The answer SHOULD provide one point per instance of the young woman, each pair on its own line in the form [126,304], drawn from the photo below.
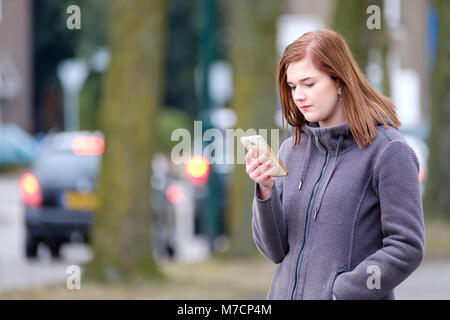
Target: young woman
[347,221]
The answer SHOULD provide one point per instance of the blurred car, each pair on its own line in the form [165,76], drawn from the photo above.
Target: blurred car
[59,191]
[421,150]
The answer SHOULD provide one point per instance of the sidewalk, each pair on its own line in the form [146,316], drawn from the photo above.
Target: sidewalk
[431,281]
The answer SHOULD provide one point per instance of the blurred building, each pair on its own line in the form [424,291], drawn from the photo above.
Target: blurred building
[16,63]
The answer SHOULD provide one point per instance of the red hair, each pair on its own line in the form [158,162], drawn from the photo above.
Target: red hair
[362,103]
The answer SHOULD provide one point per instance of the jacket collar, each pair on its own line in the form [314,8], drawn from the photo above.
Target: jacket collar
[329,137]
[334,139]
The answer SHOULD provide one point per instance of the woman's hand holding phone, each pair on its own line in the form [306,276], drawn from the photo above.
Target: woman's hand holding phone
[259,170]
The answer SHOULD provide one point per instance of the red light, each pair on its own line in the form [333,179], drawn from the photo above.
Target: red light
[174,194]
[197,170]
[30,190]
[421,174]
[88,146]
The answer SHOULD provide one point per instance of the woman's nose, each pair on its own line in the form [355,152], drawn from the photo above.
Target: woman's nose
[298,95]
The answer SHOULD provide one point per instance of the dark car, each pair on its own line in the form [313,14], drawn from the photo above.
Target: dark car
[59,192]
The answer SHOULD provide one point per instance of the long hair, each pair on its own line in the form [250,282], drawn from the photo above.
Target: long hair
[362,104]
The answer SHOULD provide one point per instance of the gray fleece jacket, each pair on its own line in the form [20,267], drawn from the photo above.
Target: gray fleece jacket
[344,221]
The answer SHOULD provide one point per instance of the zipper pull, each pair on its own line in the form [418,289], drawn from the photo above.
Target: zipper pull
[300,185]
[315,213]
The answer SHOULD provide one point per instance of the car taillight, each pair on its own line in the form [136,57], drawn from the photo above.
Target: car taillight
[174,194]
[421,174]
[197,170]
[88,146]
[30,190]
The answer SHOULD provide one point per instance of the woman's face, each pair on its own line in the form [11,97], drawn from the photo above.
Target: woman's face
[315,93]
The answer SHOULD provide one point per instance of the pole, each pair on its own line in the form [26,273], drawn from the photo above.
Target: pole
[207,49]
[209,205]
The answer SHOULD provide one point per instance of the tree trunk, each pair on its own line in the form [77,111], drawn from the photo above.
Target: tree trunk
[121,239]
[350,20]
[252,31]
[437,200]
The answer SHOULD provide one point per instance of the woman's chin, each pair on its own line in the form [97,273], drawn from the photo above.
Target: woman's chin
[310,118]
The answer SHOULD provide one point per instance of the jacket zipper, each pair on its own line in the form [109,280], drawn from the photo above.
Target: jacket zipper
[305,231]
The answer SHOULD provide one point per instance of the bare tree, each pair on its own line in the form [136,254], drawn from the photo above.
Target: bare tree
[252,31]
[350,20]
[437,191]
[121,238]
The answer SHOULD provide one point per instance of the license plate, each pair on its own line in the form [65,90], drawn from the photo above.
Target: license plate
[79,201]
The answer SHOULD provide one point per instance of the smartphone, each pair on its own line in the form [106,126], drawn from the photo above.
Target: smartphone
[260,146]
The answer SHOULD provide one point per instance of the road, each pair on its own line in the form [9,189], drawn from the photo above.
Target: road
[430,281]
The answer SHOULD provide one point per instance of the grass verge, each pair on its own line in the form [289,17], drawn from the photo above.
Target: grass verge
[212,279]
[437,239]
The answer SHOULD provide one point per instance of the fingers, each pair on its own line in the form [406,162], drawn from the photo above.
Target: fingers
[252,156]
[258,169]
[267,172]
[261,171]
[252,163]
[249,157]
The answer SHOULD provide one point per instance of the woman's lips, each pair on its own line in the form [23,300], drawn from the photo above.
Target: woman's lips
[305,107]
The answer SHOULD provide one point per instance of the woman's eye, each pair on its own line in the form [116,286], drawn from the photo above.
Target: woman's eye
[292,88]
[309,85]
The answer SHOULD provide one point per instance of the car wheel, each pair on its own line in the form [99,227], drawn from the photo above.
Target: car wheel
[31,247]
[55,249]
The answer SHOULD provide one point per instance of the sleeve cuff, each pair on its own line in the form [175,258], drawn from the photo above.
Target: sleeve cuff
[256,193]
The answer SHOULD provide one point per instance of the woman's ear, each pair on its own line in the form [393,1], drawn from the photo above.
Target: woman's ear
[338,85]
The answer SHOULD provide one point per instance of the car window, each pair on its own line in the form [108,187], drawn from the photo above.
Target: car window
[64,168]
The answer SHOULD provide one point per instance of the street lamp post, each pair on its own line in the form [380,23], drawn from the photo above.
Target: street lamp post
[72,73]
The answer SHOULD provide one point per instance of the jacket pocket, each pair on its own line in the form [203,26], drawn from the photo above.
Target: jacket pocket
[339,271]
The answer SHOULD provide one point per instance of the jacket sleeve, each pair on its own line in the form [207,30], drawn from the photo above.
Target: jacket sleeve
[396,179]
[268,222]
